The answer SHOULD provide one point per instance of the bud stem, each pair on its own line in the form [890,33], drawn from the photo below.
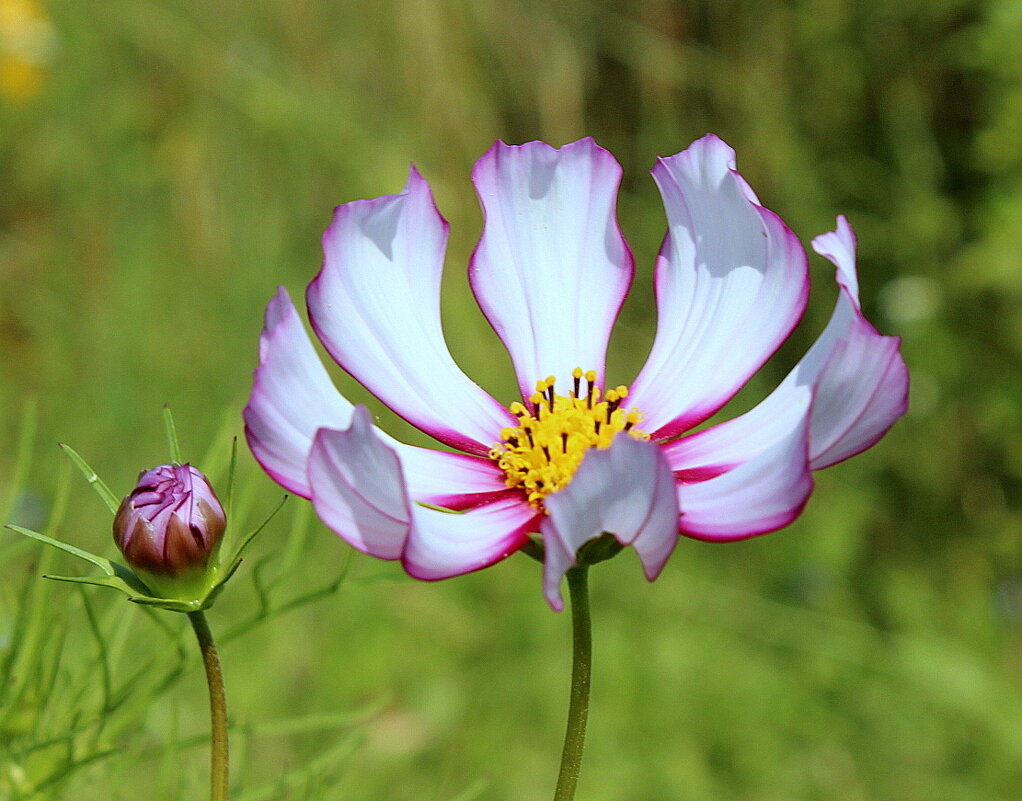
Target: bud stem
[581,670]
[217,707]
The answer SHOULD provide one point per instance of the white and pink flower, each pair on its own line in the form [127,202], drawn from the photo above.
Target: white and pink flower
[575,459]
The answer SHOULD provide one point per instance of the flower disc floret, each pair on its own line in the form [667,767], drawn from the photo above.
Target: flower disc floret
[541,454]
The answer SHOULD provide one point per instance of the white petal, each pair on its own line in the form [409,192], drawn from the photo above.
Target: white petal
[443,545]
[452,480]
[857,377]
[860,377]
[732,282]
[764,493]
[860,393]
[626,490]
[552,269]
[376,307]
[358,490]
[840,247]
[293,397]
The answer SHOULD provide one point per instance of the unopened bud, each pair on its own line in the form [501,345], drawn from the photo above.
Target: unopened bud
[170,526]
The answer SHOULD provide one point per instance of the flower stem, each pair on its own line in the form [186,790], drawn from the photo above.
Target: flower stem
[217,707]
[581,671]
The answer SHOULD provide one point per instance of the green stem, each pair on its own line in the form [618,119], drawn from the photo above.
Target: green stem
[581,671]
[217,707]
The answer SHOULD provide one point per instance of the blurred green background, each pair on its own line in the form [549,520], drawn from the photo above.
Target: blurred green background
[165,164]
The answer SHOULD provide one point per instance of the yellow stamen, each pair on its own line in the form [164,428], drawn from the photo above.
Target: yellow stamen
[542,453]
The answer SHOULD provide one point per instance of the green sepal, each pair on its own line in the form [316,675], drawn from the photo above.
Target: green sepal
[172,605]
[131,578]
[534,547]
[146,600]
[596,550]
[600,549]
[98,581]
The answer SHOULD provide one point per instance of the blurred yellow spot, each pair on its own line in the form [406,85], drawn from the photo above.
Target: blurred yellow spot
[26,45]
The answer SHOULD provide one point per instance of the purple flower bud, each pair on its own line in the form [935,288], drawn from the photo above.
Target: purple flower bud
[171,523]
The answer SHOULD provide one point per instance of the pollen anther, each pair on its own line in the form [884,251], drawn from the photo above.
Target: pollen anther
[542,453]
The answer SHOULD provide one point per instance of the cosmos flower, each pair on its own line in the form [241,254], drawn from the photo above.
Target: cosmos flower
[575,458]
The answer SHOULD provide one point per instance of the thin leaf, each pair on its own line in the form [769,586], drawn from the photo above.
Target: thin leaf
[93,478]
[215,458]
[166,603]
[96,581]
[296,542]
[138,685]
[119,624]
[331,759]
[73,766]
[327,589]
[231,470]
[103,564]
[23,457]
[260,527]
[219,585]
[317,721]
[171,429]
[26,645]
[75,730]
[35,619]
[304,724]
[106,682]
[267,609]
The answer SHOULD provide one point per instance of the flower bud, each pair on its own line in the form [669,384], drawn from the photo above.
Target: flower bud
[170,527]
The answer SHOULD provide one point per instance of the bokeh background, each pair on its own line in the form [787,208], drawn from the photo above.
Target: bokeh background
[165,164]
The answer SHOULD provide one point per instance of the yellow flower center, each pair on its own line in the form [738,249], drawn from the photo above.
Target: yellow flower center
[541,454]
